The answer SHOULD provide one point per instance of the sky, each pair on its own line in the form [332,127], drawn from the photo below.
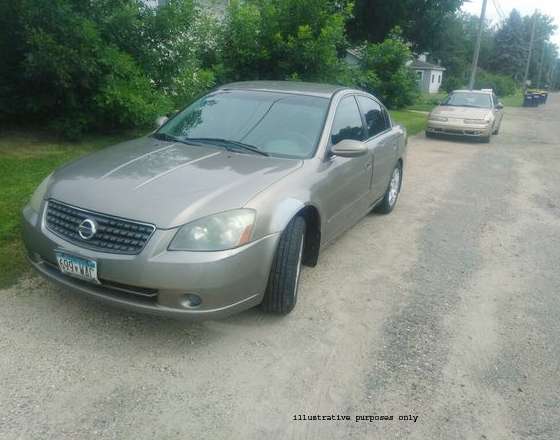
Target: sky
[525,7]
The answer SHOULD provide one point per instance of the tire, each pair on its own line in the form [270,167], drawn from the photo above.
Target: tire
[391,194]
[281,292]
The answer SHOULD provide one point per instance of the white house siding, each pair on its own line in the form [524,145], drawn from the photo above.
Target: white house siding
[430,76]
[431,80]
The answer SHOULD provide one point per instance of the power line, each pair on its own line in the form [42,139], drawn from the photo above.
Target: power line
[499,10]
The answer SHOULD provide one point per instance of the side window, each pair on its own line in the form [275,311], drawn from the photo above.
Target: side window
[376,118]
[347,122]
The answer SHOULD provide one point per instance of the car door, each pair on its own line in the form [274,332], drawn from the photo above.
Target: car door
[349,178]
[382,141]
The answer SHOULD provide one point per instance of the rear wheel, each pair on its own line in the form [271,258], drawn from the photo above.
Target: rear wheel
[392,193]
[281,292]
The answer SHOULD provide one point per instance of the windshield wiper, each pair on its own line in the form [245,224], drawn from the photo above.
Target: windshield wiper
[228,144]
[463,105]
[167,137]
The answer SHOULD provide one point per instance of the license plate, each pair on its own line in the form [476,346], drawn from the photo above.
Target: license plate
[77,267]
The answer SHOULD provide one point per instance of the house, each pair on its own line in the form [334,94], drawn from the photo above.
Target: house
[216,8]
[429,75]
[353,57]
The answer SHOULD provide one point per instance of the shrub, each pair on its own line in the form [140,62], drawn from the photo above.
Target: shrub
[502,85]
[451,83]
[384,73]
[90,66]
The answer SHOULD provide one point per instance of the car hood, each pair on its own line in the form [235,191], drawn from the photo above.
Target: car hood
[460,112]
[164,183]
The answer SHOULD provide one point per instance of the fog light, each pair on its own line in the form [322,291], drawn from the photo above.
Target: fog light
[191,300]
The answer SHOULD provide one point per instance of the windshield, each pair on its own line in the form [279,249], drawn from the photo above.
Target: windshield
[465,99]
[275,123]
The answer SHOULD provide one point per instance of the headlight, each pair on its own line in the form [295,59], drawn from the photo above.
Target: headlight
[39,194]
[218,232]
[437,118]
[475,121]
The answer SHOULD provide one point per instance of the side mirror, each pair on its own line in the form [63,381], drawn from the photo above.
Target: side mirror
[499,106]
[349,148]
[161,120]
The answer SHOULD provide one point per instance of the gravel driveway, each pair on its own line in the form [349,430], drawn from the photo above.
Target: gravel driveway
[438,321]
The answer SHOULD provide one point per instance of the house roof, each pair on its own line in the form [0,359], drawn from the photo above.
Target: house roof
[357,52]
[413,64]
[422,65]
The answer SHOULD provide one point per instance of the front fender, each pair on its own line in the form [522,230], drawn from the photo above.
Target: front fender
[285,212]
[273,217]
[296,194]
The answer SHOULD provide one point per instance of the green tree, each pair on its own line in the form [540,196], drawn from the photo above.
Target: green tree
[548,65]
[544,54]
[554,75]
[518,38]
[509,53]
[455,45]
[421,21]
[280,39]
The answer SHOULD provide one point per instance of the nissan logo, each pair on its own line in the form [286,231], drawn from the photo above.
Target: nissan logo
[87,229]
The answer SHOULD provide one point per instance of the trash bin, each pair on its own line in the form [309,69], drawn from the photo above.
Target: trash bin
[527,99]
[531,98]
[543,97]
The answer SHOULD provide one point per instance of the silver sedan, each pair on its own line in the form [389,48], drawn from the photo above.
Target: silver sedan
[216,211]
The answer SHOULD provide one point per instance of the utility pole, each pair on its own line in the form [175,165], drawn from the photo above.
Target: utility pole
[477,46]
[530,50]
[541,64]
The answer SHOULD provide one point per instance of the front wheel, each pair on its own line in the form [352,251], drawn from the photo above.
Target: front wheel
[281,292]
[392,193]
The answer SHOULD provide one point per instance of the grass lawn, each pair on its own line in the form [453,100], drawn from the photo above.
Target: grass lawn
[26,158]
[414,121]
[515,100]
[428,101]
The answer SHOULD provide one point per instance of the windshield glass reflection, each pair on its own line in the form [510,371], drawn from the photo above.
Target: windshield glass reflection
[275,123]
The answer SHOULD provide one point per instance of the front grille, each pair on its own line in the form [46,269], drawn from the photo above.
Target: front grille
[114,234]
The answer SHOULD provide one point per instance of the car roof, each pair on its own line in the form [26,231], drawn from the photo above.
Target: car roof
[292,87]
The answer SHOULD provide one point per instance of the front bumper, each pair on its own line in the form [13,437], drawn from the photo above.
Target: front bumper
[459,129]
[158,281]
